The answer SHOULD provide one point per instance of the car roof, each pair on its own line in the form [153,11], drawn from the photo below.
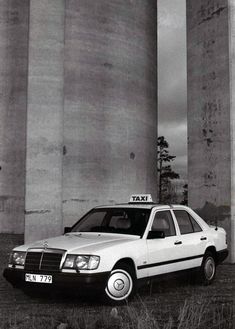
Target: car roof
[143,206]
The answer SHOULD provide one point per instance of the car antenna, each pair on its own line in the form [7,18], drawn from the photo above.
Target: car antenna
[216,223]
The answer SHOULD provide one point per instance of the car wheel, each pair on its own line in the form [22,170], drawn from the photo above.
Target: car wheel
[120,284]
[208,269]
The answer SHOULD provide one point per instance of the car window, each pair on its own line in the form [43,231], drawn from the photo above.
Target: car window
[163,221]
[120,221]
[93,220]
[196,226]
[187,224]
[114,220]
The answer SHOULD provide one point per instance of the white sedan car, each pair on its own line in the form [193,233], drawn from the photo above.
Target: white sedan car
[112,248]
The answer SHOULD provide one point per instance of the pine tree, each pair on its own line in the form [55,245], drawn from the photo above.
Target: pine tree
[165,172]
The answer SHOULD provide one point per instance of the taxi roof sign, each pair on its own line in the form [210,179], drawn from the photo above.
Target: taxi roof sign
[141,198]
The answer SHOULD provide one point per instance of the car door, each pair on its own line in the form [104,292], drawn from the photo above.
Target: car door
[192,239]
[163,253]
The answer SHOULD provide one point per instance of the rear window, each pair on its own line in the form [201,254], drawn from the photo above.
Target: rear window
[186,222]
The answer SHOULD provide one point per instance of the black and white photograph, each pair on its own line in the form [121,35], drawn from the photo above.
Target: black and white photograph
[117,164]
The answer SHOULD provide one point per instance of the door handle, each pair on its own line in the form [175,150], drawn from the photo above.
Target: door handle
[203,238]
[178,242]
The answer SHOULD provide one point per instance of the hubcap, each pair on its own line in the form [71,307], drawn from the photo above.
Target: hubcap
[209,268]
[119,285]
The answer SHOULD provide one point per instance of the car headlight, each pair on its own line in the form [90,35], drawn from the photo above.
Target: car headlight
[17,258]
[82,262]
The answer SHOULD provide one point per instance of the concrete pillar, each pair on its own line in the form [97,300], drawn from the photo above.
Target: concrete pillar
[45,120]
[14,16]
[232,118]
[211,111]
[110,108]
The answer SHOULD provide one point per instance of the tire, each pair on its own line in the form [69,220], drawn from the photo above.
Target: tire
[120,284]
[208,269]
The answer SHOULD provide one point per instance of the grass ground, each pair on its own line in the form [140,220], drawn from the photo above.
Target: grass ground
[163,305]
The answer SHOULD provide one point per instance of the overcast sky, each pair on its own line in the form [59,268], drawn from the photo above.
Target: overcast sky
[172,101]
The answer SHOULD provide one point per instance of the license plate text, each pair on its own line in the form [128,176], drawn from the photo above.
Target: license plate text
[38,278]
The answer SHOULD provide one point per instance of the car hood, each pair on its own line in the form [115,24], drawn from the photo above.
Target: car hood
[80,242]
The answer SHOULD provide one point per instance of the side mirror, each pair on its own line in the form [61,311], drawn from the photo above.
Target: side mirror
[67,229]
[156,235]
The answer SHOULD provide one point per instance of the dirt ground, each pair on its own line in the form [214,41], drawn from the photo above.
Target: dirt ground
[167,297]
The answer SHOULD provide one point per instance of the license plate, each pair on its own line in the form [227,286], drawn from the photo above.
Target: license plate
[38,278]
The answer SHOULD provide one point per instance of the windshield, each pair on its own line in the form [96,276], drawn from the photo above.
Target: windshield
[114,220]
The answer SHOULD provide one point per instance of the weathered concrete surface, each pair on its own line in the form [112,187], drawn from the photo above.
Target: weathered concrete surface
[110,117]
[86,73]
[14,15]
[211,165]
[232,118]
[45,120]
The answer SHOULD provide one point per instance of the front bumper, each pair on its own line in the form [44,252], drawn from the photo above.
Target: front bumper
[96,281]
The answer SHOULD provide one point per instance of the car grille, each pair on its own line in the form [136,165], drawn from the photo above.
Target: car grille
[44,261]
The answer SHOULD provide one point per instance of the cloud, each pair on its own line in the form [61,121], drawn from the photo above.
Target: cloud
[172,92]
[177,137]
